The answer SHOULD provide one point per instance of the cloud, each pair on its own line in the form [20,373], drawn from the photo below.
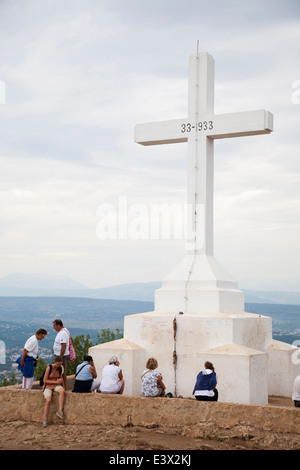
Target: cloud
[79,76]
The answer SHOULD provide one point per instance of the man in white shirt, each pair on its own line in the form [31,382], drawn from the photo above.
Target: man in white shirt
[61,346]
[27,359]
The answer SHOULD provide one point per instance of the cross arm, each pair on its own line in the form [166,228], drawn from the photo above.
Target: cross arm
[241,124]
[214,126]
[156,133]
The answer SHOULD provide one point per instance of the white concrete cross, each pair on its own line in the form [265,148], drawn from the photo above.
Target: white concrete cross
[200,129]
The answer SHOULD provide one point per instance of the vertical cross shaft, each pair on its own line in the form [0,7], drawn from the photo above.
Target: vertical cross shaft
[199,283]
[200,155]
[200,129]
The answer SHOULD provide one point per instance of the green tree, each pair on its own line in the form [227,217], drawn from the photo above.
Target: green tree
[107,335]
[12,381]
[82,344]
[39,368]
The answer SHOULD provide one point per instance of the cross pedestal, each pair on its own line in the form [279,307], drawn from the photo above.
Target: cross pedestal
[199,294]
[199,284]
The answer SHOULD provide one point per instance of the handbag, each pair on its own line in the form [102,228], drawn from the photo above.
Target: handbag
[72,352]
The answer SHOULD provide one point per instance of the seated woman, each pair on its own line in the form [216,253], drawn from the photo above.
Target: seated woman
[152,384]
[112,377]
[53,381]
[205,388]
[84,377]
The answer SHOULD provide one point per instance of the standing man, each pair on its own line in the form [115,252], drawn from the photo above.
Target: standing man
[61,346]
[29,355]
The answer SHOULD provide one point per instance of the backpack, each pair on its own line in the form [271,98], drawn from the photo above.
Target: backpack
[43,374]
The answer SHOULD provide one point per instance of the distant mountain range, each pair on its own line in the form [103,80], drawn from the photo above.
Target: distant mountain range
[39,281]
[45,285]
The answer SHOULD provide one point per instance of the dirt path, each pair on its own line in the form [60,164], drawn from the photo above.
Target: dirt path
[21,435]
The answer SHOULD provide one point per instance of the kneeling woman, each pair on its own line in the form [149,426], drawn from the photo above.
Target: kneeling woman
[112,377]
[205,388]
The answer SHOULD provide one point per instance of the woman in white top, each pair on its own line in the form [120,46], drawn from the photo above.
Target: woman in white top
[112,377]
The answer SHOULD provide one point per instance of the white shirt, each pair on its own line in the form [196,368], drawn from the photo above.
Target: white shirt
[32,346]
[61,337]
[296,389]
[110,377]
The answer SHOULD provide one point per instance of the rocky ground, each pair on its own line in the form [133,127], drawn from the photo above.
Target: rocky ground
[21,435]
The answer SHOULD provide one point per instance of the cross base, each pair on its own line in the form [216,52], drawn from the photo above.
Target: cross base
[199,284]
[249,364]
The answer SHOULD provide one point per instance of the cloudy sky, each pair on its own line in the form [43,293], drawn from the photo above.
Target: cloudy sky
[75,78]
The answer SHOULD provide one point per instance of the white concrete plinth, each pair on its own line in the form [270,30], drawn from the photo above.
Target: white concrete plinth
[211,324]
[201,335]
[197,332]
[242,373]
[203,300]
[132,359]
[250,365]
[283,367]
